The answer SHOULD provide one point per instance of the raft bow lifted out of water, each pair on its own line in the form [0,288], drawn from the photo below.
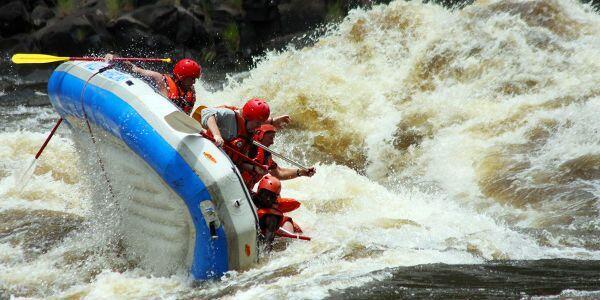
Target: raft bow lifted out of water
[183,203]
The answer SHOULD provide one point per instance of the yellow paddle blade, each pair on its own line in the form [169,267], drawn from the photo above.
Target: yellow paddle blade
[167,60]
[29,58]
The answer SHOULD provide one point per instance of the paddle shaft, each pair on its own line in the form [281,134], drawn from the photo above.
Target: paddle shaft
[34,58]
[118,59]
[48,138]
[246,158]
[284,233]
[297,164]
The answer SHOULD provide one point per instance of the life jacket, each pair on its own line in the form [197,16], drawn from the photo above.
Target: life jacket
[262,157]
[240,142]
[287,204]
[273,211]
[184,100]
[262,212]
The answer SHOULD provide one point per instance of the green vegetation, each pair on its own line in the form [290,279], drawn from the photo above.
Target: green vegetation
[80,34]
[335,10]
[209,56]
[171,2]
[207,8]
[231,35]
[65,7]
[115,7]
[235,3]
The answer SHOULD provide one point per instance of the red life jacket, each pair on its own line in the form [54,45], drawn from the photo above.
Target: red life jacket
[273,211]
[282,220]
[287,204]
[262,157]
[240,142]
[184,100]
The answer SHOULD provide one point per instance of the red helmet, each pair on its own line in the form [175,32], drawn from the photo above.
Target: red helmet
[187,68]
[259,132]
[256,110]
[270,183]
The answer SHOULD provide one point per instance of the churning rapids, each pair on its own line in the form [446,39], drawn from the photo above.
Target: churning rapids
[441,138]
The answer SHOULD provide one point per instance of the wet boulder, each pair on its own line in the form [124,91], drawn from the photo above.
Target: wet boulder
[190,29]
[40,15]
[13,18]
[261,10]
[75,34]
[16,43]
[161,18]
[161,27]
[135,36]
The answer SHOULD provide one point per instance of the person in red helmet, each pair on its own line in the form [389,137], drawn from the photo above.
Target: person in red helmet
[251,174]
[233,125]
[179,87]
[272,220]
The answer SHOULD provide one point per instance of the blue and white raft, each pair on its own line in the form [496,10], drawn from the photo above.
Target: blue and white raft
[182,204]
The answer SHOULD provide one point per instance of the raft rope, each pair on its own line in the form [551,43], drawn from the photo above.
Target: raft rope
[104,173]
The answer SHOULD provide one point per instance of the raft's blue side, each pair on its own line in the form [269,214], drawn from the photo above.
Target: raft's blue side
[116,116]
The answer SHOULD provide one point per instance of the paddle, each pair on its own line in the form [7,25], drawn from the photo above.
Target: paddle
[284,233]
[25,175]
[297,164]
[31,58]
[181,122]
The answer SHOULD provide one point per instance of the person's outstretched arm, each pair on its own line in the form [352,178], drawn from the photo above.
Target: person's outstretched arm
[280,122]
[289,173]
[156,77]
[153,75]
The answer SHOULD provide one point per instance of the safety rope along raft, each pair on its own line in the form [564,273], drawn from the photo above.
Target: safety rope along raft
[104,173]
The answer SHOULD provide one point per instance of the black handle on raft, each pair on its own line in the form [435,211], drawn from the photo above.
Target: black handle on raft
[213,230]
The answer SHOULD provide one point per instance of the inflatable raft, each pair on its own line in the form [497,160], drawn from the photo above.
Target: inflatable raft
[181,201]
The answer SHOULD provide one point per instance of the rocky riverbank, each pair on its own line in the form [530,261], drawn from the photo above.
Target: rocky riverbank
[216,33]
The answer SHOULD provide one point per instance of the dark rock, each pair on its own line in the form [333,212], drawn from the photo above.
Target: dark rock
[262,21]
[139,3]
[13,18]
[124,23]
[209,30]
[161,18]
[40,15]
[299,15]
[261,10]
[16,43]
[190,29]
[221,19]
[75,34]
[160,26]
[234,11]
[135,38]
[31,4]
[198,11]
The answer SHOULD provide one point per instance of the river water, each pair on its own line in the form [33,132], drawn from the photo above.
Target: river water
[457,155]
